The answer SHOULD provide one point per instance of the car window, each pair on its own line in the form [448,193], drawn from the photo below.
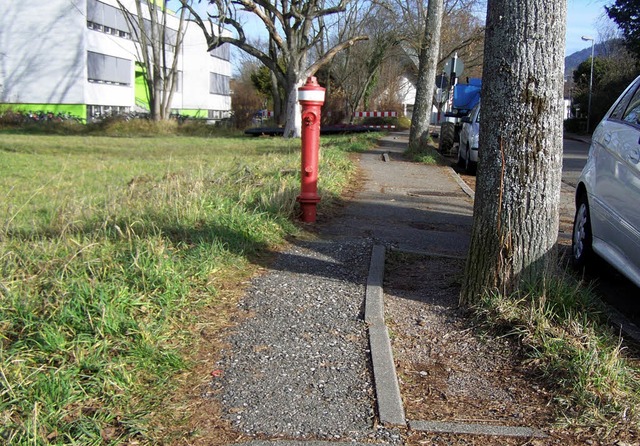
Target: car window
[632,114]
[618,112]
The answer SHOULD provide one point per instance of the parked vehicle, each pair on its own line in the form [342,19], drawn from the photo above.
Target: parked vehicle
[469,135]
[607,221]
[465,97]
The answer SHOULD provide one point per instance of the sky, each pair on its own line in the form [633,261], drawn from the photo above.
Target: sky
[583,17]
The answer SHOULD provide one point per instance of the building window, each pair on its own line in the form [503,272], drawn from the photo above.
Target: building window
[219,84]
[222,52]
[99,112]
[218,114]
[107,19]
[108,69]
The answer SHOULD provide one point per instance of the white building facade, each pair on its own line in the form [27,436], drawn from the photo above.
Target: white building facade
[80,57]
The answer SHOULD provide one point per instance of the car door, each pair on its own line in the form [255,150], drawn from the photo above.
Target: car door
[474,132]
[469,129]
[618,178]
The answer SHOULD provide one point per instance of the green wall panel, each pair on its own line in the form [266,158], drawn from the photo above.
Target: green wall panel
[77,110]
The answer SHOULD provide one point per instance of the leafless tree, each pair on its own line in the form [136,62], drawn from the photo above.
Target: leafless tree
[463,33]
[356,70]
[462,28]
[516,209]
[428,63]
[294,28]
[159,49]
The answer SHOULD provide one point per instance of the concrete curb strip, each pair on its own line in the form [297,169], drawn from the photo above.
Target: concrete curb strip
[389,399]
[621,322]
[390,408]
[475,429]
[464,186]
[374,303]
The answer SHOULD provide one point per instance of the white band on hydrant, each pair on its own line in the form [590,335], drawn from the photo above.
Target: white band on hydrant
[311,95]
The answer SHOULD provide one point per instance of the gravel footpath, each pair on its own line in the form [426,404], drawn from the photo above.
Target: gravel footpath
[298,365]
[298,361]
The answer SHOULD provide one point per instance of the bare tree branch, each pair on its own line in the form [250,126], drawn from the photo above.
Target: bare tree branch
[331,54]
[475,37]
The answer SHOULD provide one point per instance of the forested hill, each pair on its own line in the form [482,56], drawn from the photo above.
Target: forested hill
[572,61]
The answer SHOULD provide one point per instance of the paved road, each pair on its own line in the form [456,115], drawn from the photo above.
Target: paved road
[573,160]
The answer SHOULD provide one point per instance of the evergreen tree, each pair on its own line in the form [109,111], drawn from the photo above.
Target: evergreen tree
[626,14]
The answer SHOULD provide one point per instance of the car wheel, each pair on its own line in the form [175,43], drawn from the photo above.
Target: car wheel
[581,245]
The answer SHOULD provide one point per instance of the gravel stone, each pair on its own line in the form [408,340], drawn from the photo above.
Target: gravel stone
[298,362]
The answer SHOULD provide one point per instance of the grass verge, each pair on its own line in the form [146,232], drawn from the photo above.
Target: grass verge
[121,259]
[424,152]
[565,334]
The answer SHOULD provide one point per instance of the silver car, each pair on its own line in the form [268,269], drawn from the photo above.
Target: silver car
[607,220]
[469,135]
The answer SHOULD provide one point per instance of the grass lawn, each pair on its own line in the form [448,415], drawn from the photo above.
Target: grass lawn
[115,253]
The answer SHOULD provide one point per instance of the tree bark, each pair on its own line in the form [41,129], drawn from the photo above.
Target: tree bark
[295,80]
[516,214]
[278,112]
[428,62]
[293,126]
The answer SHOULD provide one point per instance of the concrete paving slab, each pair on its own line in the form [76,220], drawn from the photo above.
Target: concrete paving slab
[407,205]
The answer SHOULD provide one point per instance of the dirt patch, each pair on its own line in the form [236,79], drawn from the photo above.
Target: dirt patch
[449,371]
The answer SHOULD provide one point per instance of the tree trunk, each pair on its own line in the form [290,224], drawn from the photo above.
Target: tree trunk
[293,127]
[277,99]
[428,62]
[278,102]
[516,215]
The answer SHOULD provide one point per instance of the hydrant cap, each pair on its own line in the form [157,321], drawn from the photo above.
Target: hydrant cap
[311,91]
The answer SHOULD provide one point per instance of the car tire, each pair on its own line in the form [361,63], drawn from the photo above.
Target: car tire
[447,137]
[582,237]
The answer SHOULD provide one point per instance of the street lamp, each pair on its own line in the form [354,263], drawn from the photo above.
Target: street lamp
[587,39]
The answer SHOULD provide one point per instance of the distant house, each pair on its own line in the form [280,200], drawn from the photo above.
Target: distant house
[406,96]
[80,57]
[406,90]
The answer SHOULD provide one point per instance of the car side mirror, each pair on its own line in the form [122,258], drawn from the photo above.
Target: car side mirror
[466,119]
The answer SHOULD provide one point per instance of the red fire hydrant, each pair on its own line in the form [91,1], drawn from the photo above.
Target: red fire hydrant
[311,97]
